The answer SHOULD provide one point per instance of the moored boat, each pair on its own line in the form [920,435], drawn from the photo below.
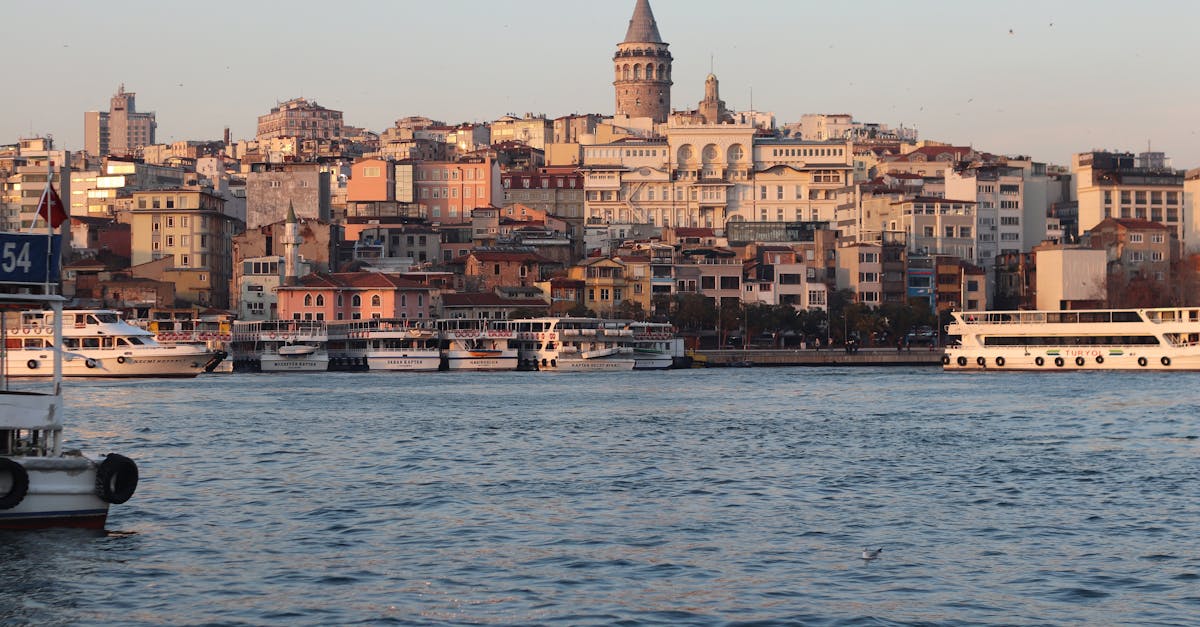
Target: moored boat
[97,343]
[280,346]
[570,345]
[1089,339]
[387,344]
[476,344]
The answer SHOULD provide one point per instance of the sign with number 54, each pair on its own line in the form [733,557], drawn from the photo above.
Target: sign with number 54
[29,257]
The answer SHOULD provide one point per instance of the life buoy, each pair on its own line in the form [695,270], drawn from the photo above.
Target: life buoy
[1058,361]
[981,360]
[1166,361]
[116,479]
[1099,359]
[999,361]
[32,364]
[945,360]
[962,361]
[121,359]
[1079,361]
[1039,361]
[89,362]
[19,485]
[1142,362]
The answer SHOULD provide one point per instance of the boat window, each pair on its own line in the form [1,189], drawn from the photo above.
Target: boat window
[71,342]
[108,318]
[121,342]
[1083,340]
[550,346]
[91,342]
[136,341]
[107,342]
[33,342]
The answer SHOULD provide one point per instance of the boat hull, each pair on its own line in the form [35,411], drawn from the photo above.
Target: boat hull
[61,494]
[588,365]
[1067,360]
[282,363]
[411,361]
[481,360]
[163,362]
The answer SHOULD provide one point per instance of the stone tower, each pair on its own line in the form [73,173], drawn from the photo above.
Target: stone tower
[643,69]
[712,108]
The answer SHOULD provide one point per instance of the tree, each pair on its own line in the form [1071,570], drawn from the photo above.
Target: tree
[630,310]
[580,311]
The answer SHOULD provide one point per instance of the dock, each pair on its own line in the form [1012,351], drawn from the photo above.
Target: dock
[813,357]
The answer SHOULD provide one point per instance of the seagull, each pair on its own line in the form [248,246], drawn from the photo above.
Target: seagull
[869,555]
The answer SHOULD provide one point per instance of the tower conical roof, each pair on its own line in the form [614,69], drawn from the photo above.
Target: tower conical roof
[642,27]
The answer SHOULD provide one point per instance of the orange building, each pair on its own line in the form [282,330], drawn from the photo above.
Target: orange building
[449,190]
[355,296]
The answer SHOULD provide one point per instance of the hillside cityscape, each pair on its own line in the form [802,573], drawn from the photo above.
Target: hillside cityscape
[732,225]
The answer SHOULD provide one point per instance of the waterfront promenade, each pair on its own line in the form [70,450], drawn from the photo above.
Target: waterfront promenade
[828,357]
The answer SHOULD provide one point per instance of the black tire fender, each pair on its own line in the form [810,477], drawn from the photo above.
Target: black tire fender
[1142,362]
[1039,361]
[1058,361]
[981,360]
[32,364]
[1000,361]
[19,486]
[116,479]
[1080,361]
[1166,361]
[1099,359]
[962,361]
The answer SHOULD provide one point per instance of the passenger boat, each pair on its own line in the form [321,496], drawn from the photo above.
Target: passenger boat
[655,344]
[476,344]
[387,344]
[43,485]
[97,343]
[280,346]
[570,345]
[1091,339]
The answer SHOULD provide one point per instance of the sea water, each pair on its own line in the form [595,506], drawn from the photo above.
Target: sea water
[707,497]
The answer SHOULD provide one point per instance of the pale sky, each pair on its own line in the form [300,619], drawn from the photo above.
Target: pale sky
[1069,77]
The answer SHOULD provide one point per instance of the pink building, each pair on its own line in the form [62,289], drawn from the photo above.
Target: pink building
[355,296]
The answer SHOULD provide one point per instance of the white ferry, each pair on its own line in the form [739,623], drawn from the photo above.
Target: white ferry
[476,344]
[280,346]
[655,344]
[570,344]
[388,344]
[1090,339]
[97,343]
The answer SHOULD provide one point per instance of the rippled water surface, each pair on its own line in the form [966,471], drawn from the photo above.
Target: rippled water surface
[684,497]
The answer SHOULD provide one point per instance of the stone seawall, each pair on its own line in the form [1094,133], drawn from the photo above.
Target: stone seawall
[835,357]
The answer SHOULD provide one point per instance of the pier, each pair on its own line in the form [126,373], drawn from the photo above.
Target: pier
[812,357]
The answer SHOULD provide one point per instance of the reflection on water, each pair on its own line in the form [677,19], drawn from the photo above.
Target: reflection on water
[695,497]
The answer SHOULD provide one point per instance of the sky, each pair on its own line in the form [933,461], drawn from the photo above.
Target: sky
[1045,79]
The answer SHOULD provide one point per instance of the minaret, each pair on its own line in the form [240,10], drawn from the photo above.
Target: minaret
[291,247]
[643,69]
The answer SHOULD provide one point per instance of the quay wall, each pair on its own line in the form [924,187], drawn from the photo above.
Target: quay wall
[812,357]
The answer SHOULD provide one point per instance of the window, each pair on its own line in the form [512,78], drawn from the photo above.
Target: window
[928,231]
[170,241]
[964,231]
[1136,255]
[1156,238]
[356,301]
[1156,256]
[1135,238]
[376,301]
[496,269]
[949,231]
[170,222]
[320,300]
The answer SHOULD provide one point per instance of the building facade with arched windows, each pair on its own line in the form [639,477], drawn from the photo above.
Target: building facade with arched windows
[356,296]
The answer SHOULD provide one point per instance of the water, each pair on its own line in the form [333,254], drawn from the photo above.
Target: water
[741,496]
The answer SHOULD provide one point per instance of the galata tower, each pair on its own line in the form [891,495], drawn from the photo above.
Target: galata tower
[643,69]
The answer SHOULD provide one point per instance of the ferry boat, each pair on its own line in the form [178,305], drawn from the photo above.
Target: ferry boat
[1089,339]
[280,346]
[655,344]
[476,344]
[388,344]
[97,343]
[570,345]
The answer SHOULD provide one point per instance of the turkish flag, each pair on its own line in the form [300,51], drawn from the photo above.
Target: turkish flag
[50,207]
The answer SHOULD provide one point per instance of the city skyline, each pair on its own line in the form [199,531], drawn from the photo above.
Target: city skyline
[1027,82]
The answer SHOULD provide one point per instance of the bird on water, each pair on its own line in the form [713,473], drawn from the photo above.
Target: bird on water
[869,555]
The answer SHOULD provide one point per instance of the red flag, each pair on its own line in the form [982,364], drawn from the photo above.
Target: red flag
[50,207]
